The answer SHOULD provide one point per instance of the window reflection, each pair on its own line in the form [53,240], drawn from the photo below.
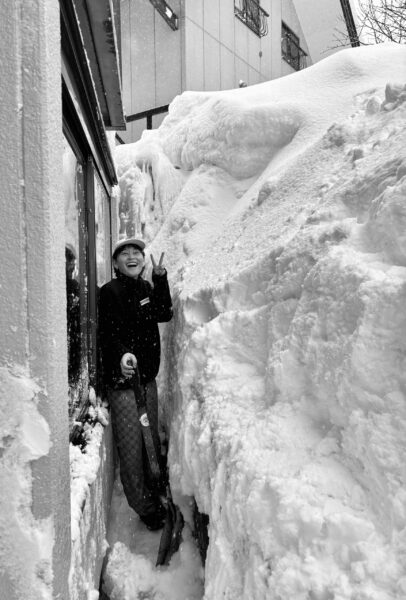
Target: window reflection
[72,314]
[73,185]
[102,220]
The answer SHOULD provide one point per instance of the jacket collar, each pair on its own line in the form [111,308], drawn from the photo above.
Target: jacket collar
[129,282]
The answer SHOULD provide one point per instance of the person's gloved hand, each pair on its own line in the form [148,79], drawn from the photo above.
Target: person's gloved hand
[128,364]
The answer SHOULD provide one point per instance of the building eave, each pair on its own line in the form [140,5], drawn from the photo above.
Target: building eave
[80,86]
[96,20]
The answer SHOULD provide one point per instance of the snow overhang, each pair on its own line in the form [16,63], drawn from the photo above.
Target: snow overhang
[96,18]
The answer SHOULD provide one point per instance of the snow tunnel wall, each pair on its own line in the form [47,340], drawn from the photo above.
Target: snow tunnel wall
[283,379]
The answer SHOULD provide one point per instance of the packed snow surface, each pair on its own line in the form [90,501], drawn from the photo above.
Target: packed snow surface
[131,572]
[281,209]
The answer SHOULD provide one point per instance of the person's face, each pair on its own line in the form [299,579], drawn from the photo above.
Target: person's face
[129,261]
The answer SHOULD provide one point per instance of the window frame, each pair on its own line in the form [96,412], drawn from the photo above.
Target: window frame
[288,36]
[94,351]
[84,130]
[88,265]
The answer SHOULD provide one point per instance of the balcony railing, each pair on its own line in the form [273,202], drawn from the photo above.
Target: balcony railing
[148,114]
[253,15]
[291,50]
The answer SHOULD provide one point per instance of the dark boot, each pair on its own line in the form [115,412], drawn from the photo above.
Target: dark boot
[155,520]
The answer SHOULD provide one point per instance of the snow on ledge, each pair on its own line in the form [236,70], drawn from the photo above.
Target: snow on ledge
[24,437]
[87,504]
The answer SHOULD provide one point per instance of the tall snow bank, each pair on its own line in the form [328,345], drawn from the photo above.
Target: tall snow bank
[284,367]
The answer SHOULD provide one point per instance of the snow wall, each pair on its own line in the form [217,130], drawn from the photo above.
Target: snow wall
[282,212]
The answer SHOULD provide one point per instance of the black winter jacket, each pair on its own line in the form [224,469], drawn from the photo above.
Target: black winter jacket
[129,313]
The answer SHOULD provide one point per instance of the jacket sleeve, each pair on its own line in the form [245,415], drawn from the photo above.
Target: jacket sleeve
[110,327]
[162,298]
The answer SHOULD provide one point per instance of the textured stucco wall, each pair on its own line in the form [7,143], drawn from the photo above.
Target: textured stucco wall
[32,306]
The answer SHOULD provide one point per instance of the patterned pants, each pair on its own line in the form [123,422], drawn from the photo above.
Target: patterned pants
[139,486]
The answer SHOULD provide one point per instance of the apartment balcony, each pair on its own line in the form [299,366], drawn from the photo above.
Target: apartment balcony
[253,15]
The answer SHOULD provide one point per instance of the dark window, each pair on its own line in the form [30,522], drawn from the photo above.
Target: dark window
[99,262]
[75,260]
[88,263]
[253,15]
[88,176]
[88,267]
[291,50]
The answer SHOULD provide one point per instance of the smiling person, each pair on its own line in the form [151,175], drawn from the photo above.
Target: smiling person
[130,309]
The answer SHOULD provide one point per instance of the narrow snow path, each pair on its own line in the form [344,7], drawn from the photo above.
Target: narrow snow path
[131,573]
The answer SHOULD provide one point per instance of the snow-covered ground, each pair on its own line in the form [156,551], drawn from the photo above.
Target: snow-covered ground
[281,209]
[131,572]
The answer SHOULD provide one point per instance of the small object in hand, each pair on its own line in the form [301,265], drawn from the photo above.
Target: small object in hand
[128,364]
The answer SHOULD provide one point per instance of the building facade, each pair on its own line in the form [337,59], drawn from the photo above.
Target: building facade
[329,25]
[60,95]
[177,45]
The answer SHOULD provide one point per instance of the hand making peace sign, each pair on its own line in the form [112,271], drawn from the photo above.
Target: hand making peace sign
[158,268]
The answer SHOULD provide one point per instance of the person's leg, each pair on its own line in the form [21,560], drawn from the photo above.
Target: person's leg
[128,438]
[151,400]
